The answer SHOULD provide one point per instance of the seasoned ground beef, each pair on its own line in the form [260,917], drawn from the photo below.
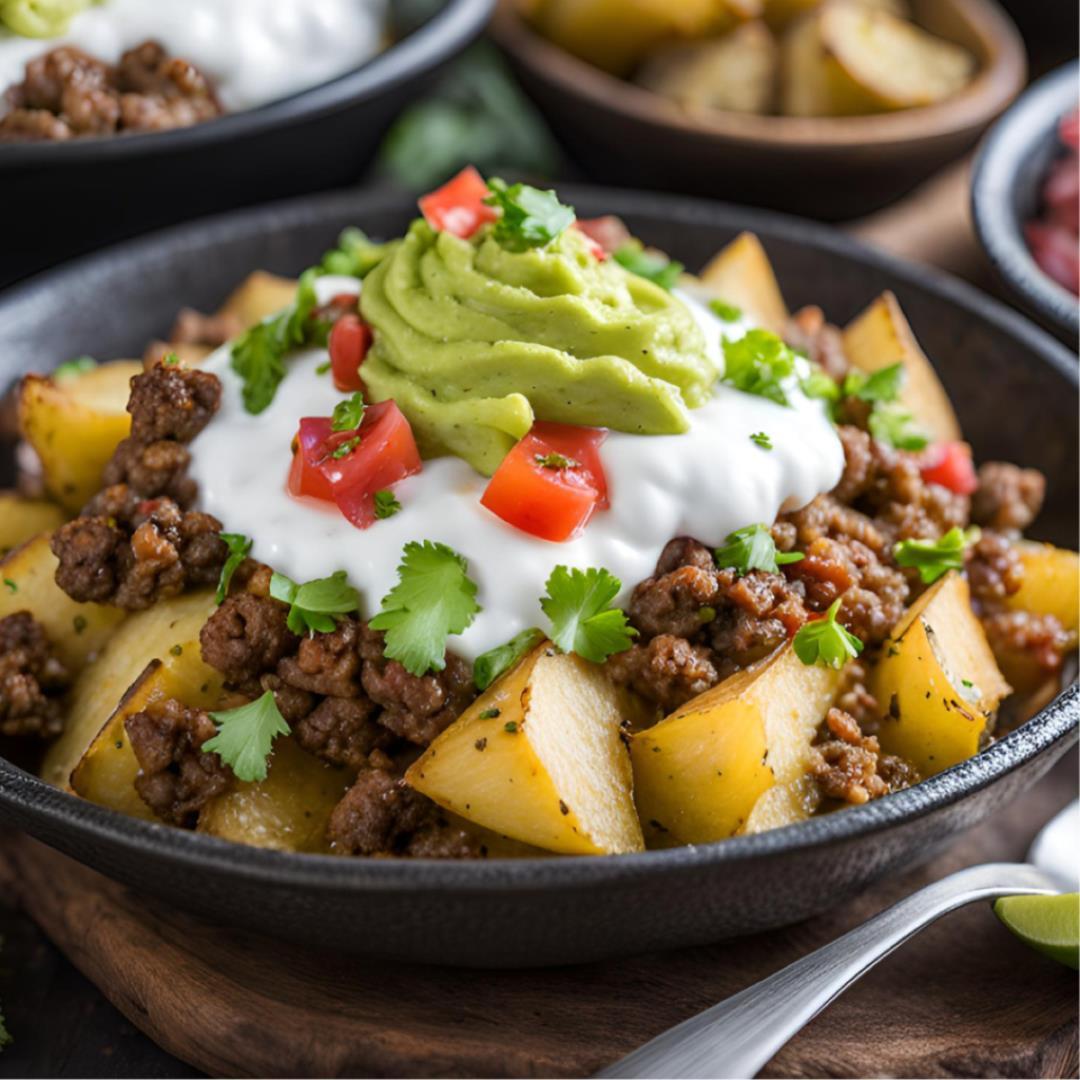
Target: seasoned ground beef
[246,637]
[176,779]
[381,815]
[667,671]
[1008,497]
[32,679]
[343,731]
[850,765]
[327,664]
[66,94]
[172,402]
[1022,635]
[821,341]
[994,569]
[152,470]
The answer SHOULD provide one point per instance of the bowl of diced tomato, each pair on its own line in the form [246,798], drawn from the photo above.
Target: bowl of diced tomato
[1026,200]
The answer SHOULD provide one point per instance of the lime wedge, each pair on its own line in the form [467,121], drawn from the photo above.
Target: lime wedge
[1050,924]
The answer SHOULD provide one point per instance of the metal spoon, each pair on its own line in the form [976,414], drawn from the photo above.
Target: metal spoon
[738,1036]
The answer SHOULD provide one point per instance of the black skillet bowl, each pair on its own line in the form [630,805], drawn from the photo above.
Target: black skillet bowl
[1016,391]
[63,199]
[1005,192]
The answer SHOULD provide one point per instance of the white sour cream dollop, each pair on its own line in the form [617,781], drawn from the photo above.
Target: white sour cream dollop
[704,483]
[254,51]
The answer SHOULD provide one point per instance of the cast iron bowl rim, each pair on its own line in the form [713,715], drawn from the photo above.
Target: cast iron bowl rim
[1000,157]
[445,34]
[23,796]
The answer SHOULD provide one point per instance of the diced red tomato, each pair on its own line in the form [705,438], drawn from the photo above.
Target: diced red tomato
[386,453]
[458,206]
[949,465]
[1055,249]
[546,500]
[608,233]
[1069,129]
[349,342]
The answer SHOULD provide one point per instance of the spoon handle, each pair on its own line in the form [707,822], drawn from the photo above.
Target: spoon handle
[738,1036]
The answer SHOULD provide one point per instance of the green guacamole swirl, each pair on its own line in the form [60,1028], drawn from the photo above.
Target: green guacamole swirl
[474,342]
[40,18]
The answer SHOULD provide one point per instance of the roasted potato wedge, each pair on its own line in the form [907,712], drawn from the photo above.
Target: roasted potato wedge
[21,519]
[700,772]
[881,336]
[733,73]
[74,424]
[259,295]
[77,631]
[937,682]
[779,14]
[539,757]
[1051,584]
[100,698]
[784,804]
[741,274]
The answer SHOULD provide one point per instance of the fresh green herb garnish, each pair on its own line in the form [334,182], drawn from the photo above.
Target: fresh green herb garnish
[348,414]
[323,368]
[11,586]
[883,385]
[892,424]
[556,461]
[759,363]
[246,736]
[238,546]
[725,311]
[386,504]
[934,558]
[355,255]
[71,369]
[820,385]
[491,714]
[315,605]
[753,548]
[577,603]
[530,218]
[759,438]
[490,665]
[510,727]
[654,266]
[346,448]
[433,599]
[79,623]
[825,642]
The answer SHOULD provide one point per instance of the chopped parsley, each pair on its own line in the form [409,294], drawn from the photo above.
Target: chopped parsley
[892,424]
[355,256]
[556,461]
[315,605]
[759,363]
[818,384]
[934,558]
[490,665]
[654,266]
[246,736]
[530,218]
[753,548]
[238,546]
[323,368]
[825,642]
[724,311]
[346,448]
[71,369]
[11,586]
[386,504]
[433,599]
[491,714]
[582,621]
[510,727]
[759,438]
[883,385]
[348,413]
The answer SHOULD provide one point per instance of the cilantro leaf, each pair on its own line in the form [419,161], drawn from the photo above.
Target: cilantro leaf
[238,546]
[71,369]
[355,255]
[530,218]
[315,605]
[246,736]
[758,363]
[654,266]
[581,620]
[892,424]
[934,558]
[820,385]
[753,548]
[724,311]
[433,599]
[490,665]
[759,438]
[883,385]
[386,504]
[348,414]
[826,642]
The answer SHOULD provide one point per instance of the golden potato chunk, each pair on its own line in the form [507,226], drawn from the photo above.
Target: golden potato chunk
[1051,584]
[700,772]
[74,424]
[784,804]
[937,682]
[258,296]
[741,274]
[539,757]
[77,631]
[881,336]
[779,14]
[21,519]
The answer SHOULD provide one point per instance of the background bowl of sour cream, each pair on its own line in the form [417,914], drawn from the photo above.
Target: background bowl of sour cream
[308,93]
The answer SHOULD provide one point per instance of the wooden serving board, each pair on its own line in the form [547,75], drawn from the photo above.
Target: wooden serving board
[964,999]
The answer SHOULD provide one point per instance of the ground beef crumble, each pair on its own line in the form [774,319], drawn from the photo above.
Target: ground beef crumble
[33,679]
[850,766]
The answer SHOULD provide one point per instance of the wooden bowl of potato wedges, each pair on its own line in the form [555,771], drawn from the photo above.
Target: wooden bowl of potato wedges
[827,108]
[741,851]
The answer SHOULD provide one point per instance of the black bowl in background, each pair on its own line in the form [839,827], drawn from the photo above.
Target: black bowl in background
[64,199]
[1005,192]
[1008,379]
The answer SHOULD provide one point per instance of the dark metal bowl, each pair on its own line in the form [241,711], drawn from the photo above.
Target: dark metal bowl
[63,199]
[1005,192]
[1016,392]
